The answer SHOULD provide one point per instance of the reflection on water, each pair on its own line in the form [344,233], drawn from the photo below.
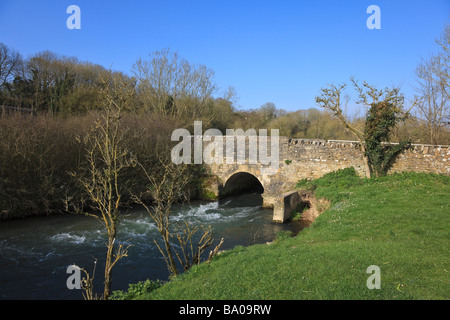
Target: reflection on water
[36,252]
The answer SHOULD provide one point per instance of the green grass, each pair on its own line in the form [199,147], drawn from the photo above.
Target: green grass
[399,223]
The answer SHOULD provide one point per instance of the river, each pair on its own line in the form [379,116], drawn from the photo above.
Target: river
[35,252]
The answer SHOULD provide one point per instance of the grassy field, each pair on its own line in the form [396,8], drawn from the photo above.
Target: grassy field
[399,223]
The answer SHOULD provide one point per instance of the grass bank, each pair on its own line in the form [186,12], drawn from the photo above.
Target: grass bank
[399,223]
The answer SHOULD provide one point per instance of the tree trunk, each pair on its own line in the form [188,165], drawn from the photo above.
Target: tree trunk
[108,266]
[366,161]
[173,267]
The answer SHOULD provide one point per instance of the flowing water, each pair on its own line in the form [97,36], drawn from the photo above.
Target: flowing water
[35,252]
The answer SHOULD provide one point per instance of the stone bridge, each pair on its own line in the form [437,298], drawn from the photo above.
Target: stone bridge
[310,159]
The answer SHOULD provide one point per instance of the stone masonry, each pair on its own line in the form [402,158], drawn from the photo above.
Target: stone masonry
[312,158]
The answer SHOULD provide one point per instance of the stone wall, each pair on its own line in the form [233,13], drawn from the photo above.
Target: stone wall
[424,158]
[311,158]
[321,156]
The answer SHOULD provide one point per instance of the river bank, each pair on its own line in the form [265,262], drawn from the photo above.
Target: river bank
[399,223]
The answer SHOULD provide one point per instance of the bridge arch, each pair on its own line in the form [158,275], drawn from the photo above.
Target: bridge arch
[240,182]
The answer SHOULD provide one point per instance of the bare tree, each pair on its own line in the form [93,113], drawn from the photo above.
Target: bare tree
[106,158]
[169,84]
[379,101]
[268,111]
[332,99]
[433,90]
[10,64]
[443,69]
[168,185]
[434,99]
[190,249]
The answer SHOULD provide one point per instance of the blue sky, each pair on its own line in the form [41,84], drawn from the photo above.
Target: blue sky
[270,51]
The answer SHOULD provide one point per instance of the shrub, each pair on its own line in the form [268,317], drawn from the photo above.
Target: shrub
[342,178]
[136,289]
[38,152]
